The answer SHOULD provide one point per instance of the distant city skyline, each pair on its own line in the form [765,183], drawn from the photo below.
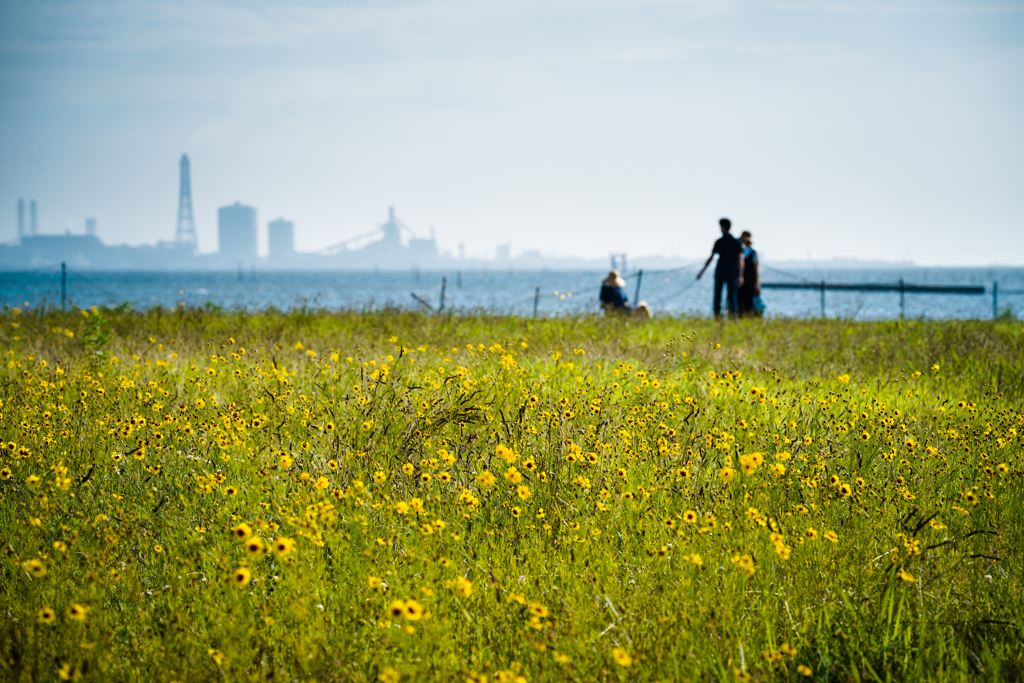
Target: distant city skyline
[829,128]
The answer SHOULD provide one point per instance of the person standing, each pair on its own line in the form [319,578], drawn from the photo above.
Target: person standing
[728,271]
[751,288]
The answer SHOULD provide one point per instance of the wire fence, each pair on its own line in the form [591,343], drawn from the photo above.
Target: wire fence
[667,291]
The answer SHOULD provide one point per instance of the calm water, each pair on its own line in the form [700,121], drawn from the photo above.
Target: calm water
[672,292]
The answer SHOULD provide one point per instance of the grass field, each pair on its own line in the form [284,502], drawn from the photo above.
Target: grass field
[200,495]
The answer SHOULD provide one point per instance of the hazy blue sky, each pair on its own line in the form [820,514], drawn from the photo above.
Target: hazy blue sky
[847,128]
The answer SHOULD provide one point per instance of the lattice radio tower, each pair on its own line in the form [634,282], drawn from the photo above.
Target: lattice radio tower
[186,232]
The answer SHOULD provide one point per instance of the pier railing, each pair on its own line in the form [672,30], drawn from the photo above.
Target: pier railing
[902,287]
[426,299]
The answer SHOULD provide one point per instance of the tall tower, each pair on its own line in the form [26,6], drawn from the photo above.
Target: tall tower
[32,217]
[186,232]
[21,219]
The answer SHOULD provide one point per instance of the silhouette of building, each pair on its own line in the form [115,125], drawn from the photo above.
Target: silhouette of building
[392,240]
[236,228]
[392,245]
[280,239]
[76,250]
[423,251]
[388,252]
[185,234]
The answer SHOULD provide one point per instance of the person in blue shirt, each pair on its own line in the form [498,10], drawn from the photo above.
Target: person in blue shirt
[728,271]
[749,293]
[613,294]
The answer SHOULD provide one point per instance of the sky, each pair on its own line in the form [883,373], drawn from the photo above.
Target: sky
[827,128]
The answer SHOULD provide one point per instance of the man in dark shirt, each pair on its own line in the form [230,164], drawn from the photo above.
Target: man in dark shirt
[729,271]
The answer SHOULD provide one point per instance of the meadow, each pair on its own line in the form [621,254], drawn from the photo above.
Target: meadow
[190,495]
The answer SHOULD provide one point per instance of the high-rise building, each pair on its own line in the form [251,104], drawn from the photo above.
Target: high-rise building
[21,219]
[280,239]
[236,228]
[90,227]
[32,217]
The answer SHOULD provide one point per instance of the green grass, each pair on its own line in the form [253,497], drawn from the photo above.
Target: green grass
[672,500]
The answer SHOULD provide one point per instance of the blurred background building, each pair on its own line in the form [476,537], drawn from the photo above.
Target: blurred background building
[236,231]
[280,239]
[392,245]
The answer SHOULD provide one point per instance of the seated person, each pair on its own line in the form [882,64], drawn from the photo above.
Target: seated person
[613,294]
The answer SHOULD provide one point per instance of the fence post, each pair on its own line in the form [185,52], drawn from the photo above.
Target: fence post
[822,298]
[536,300]
[901,299]
[444,283]
[639,279]
[63,283]
[995,300]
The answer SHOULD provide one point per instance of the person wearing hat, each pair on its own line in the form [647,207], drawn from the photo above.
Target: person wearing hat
[729,271]
[613,294]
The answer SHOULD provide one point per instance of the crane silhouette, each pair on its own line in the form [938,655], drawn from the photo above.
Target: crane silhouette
[390,234]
